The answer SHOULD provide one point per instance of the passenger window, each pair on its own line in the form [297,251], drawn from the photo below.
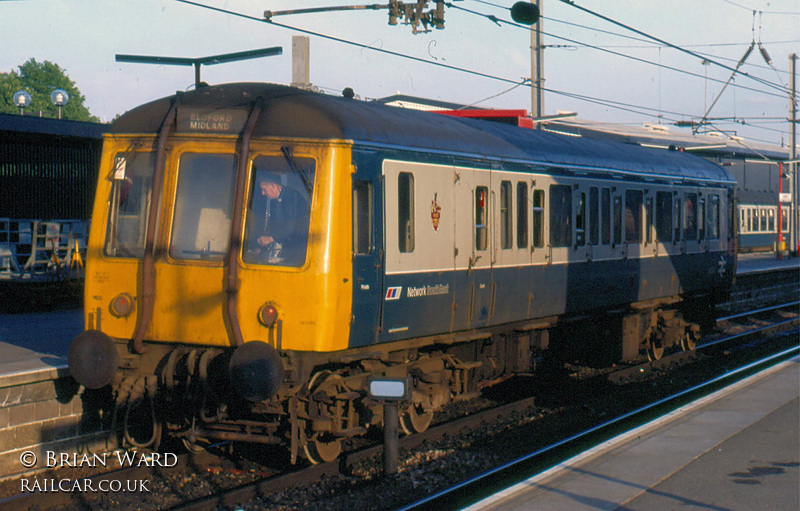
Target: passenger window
[405,213]
[362,217]
[701,219]
[633,216]
[279,210]
[506,227]
[690,216]
[130,204]
[664,216]
[481,228]
[560,215]
[648,220]
[617,220]
[538,218]
[201,229]
[594,220]
[678,220]
[771,226]
[713,217]
[580,221]
[606,216]
[522,214]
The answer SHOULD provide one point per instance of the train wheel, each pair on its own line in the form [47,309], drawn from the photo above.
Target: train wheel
[687,341]
[654,349]
[321,450]
[415,420]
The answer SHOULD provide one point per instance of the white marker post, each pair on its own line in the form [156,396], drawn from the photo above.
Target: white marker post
[390,391]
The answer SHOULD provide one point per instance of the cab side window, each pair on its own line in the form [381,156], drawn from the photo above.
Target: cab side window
[362,217]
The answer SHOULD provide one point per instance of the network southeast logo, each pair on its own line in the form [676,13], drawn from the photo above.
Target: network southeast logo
[393,293]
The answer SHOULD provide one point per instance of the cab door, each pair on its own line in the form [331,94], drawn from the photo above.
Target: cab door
[368,260]
[190,274]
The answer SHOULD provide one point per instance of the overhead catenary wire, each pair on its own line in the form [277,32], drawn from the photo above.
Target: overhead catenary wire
[674,46]
[784,13]
[649,43]
[636,109]
[619,54]
[622,106]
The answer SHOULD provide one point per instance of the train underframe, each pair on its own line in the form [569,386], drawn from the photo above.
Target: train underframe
[184,392]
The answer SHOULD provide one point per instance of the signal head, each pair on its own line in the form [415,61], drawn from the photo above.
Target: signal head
[525,13]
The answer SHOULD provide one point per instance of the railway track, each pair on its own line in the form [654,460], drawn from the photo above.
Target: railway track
[488,483]
[200,482]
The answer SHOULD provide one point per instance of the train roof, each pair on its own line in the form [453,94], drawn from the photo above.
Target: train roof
[297,113]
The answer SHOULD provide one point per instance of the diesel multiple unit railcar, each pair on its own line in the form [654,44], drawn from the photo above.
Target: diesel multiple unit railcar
[450,253]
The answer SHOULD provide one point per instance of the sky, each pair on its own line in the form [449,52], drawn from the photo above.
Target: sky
[598,69]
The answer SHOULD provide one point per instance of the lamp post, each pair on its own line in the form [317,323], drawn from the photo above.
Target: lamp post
[59,98]
[22,100]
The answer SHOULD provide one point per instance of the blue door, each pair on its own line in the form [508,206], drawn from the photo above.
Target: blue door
[367,249]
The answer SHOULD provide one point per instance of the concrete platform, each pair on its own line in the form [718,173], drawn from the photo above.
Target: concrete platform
[764,261]
[737,449]
[34,346]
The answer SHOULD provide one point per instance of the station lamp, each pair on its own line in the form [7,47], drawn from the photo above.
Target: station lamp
[22,100]
[59,98]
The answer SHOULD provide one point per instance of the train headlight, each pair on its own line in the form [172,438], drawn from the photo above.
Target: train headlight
[122,305]
[268,315]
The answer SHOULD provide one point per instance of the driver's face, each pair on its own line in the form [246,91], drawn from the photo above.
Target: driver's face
[270,189]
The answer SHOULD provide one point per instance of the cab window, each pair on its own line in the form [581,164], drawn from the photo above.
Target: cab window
[132,187]
[279,210]
[201,228]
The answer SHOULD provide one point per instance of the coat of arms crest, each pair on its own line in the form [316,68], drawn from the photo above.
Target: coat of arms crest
[436,212]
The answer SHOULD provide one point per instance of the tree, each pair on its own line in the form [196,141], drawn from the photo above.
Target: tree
[39,79]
